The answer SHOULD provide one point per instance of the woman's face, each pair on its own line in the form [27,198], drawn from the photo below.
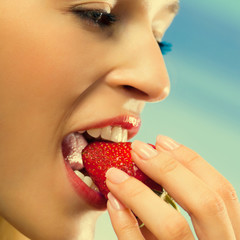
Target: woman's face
[63,69]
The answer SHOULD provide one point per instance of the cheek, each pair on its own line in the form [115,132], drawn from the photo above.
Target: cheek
[44,66]
[39,69]
[44,63]
[36,63]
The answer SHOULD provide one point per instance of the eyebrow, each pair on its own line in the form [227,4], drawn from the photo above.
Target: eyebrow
[174,7]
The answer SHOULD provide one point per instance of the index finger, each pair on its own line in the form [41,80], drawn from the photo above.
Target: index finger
[159,217]
[205,206]
[208,174]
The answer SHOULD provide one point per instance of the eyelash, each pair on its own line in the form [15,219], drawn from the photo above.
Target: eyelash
[99,18]
[103,19]
[165,47]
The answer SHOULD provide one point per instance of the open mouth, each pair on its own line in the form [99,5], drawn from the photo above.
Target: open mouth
[118,129]
[73,145]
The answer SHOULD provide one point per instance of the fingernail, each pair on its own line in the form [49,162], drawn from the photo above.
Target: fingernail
[144,150]
[167,143]
[115,175]
[116,204]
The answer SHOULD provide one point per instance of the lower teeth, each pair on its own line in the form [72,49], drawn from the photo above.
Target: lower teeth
[79,174]
[87,180]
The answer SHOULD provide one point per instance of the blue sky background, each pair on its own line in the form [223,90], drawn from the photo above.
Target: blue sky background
[203,109]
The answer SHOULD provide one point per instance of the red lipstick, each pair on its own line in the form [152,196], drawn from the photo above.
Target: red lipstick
[130,122]
[94,198]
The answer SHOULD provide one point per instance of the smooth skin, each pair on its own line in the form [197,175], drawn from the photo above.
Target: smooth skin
[56,70]
[196,186]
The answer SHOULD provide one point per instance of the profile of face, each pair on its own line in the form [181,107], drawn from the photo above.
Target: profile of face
[67,66]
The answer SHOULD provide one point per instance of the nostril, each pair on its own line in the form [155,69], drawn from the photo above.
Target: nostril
[134,91]
[129,88]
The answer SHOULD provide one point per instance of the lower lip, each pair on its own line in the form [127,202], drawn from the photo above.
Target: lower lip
[93,198]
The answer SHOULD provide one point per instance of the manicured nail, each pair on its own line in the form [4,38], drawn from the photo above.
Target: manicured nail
[167,143]
[144,150]
[116,204]
[115,175]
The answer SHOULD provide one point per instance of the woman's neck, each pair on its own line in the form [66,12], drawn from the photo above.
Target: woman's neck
[8,232]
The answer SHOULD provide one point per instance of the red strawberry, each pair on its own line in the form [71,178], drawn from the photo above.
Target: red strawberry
[98,157]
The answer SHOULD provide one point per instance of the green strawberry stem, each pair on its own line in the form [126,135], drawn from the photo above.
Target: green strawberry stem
[167,198]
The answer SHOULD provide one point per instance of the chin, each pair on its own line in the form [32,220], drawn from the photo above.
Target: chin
[80,227]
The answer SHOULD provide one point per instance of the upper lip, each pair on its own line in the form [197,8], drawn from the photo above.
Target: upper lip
[130,122]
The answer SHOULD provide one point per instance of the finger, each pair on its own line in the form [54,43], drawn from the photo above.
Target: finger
[160,218]
[206,208]
[201,168]
[124,223]
[147,234]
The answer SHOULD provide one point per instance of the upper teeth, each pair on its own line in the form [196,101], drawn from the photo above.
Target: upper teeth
[115,134]
[77,142]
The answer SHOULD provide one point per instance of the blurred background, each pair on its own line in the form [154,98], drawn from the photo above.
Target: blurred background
[203,108]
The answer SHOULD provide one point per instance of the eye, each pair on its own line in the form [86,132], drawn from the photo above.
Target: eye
[97,17]
[165,47]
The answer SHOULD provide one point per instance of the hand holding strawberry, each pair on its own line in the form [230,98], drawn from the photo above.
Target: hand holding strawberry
[98,157]
[194,184]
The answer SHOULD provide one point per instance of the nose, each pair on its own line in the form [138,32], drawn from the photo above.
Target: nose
[140,69]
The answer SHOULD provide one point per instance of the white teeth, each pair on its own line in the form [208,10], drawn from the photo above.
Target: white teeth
[81,132]
[106,132]
[79,174]
[94,187]
[87,180]
[116,134]
[94,132]
[125,135]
